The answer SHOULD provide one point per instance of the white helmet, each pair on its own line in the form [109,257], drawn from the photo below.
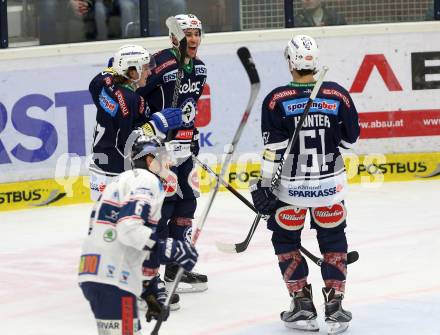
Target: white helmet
[302,53]
[189,21]
[132,56]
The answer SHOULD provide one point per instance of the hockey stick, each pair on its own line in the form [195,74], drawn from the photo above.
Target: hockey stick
[228,186]
[352,256]
[179,34]
[240,247]
[249,65]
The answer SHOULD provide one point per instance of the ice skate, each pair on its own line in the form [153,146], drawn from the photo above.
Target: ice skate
[336,318]
[302,313]
[191,281]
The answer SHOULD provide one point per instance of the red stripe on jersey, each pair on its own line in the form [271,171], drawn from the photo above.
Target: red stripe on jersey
[122,103]
[127,315]
[280,95]
[165,65]
[150,272]
[338,94]
[114,203]
[142,106]
[131,217]
[106,222]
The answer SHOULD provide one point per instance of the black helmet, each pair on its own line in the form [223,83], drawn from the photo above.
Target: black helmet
[142,146]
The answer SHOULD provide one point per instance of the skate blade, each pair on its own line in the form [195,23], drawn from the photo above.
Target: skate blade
[188,288]
[305,325]
[174,307]
[336,327]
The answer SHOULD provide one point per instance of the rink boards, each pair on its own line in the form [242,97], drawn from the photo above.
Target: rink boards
[370,170]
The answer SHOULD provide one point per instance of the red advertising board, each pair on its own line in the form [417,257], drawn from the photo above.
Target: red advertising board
[400,123]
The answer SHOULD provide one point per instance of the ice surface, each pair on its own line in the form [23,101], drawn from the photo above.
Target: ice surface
[394,288]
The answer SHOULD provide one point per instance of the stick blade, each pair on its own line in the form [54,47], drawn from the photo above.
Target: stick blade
[174,28]
[249,64]
[352,257]
[226,247]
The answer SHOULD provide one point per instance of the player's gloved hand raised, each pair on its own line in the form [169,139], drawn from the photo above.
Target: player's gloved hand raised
[167,119]
[175,251]
[262,197]
[154,294]
[195,145]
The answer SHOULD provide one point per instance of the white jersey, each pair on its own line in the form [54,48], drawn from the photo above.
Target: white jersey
[113,252]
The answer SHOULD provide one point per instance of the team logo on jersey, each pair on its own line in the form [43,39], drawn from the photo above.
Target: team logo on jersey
[189,110]
[329,217]
[297,106]
[89,264]
[101,187]
[124,277]
[170,184]
[291,217]
[170,76]
[107,103]
[200,70]
[110,235]
[110,271]
[190,87]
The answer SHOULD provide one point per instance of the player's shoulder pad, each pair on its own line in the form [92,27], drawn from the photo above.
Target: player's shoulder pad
[198,61]
[141,182]
[333,89]
[148,183]
[278,94]
[165,61]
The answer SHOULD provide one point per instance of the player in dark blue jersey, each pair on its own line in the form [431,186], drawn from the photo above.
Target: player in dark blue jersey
[180,203]
[120,110]
[313,180]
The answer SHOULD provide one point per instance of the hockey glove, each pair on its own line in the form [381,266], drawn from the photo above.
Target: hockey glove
[195,145]
[167,119]
[154,294]
[174,251]
[262,197]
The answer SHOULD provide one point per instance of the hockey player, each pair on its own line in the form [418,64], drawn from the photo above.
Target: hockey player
[180,204]
[120,110]
[313,180]
[122,234]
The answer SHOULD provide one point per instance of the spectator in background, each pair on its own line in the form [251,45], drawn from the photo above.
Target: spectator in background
[429,14]
[160,10]
[314,13]
[57,22]
[96,15]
